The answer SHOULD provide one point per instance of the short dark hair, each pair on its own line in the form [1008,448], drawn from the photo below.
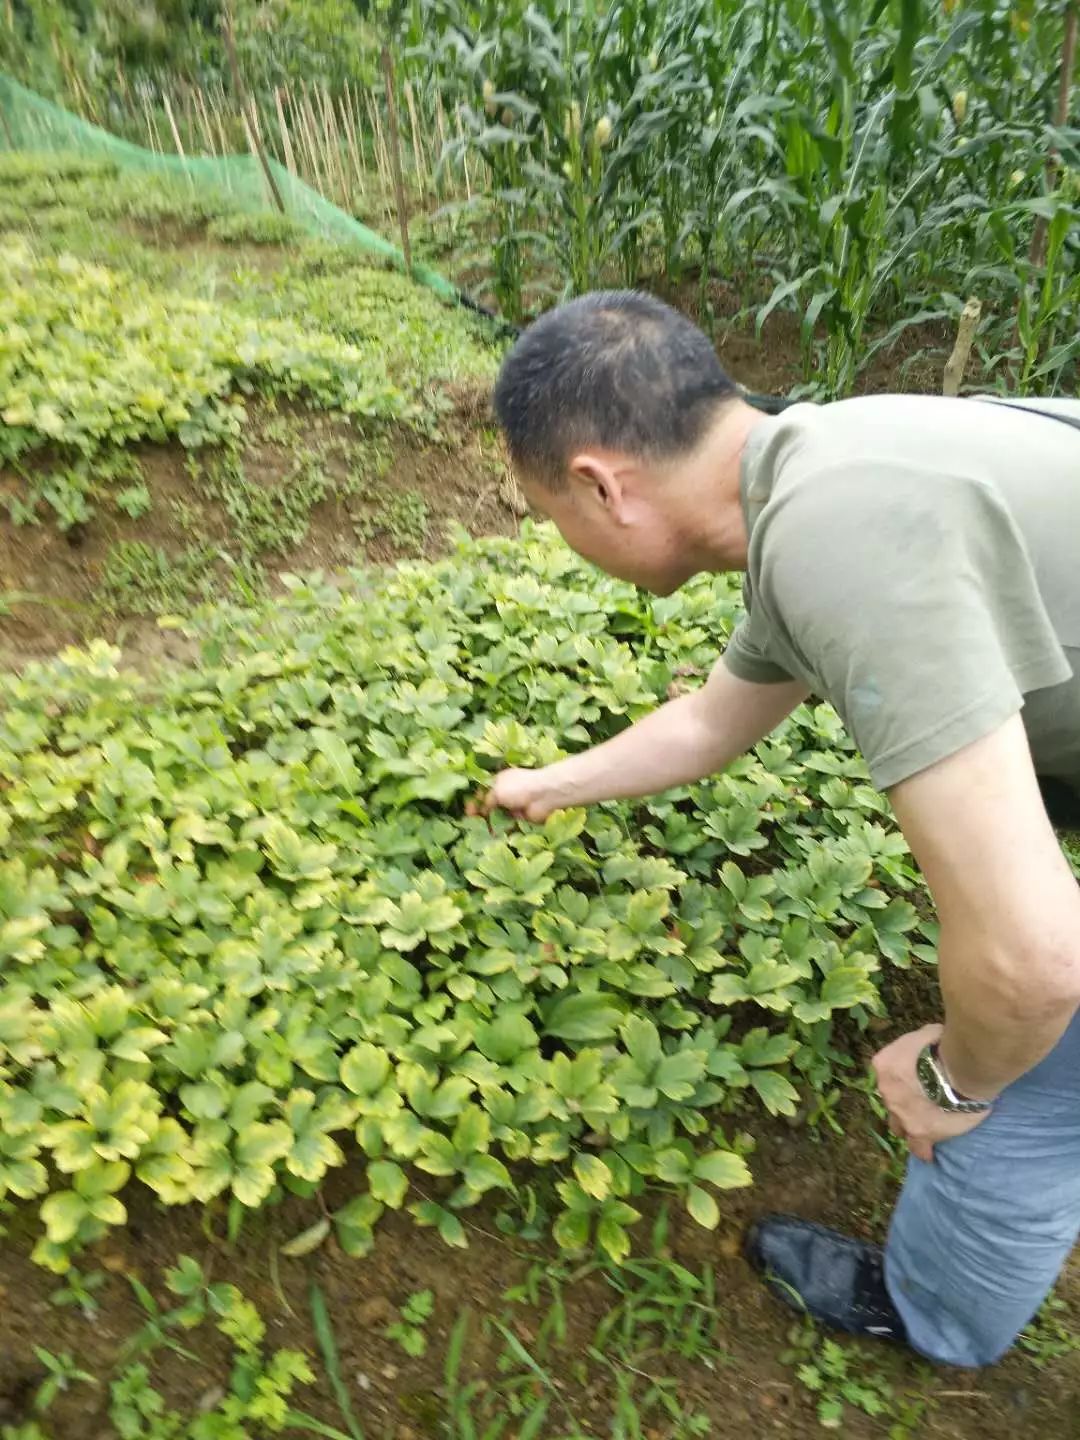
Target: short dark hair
[615,368]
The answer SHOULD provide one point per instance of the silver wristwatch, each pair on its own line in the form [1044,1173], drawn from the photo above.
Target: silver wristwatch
[938,1089]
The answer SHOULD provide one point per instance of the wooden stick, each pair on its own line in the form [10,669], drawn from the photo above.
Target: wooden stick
[87,99]
[395,155]
[172,126]
[234,66]
[189,128]
[1037,254]
[292,106]
[354,149]
[312,125]
[417,148]
[286,143]
[322,134]
[333,141]
[384,160]
[204,121]
[311,160]
[440,125]
[225,149]
[464,157]
[357,129]
[151,127]
[965,338]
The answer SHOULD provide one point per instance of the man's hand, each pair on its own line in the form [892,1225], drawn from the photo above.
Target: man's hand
[1008,905]
[682,741]
[911,1115]
[525,794]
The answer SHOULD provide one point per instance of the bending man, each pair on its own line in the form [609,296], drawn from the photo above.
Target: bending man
[916,562]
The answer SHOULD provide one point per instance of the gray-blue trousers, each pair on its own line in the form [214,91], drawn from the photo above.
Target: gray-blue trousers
[979,1236]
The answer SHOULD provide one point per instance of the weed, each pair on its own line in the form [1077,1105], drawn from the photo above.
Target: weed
[134,501]
[1051,1334]
[142,579]
[399,516]
[842,1376]
[324,1333]
[78,1290]
[408,1331]
[61,1373]
[265,519]
[267,228]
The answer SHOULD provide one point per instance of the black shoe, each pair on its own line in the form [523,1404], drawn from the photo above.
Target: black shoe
[831,1277]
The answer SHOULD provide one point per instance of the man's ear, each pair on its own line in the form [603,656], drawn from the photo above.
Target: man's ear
[597,480]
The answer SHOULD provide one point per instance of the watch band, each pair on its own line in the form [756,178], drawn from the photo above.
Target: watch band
[938,1088]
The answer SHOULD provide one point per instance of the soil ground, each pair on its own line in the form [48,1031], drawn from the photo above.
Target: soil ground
[744,1391]
[842,1179]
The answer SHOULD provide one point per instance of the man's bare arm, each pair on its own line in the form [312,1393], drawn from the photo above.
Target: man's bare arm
[684,740]
[1009,908]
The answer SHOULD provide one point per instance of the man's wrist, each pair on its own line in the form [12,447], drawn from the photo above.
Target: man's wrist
[559,779]
[967,1085]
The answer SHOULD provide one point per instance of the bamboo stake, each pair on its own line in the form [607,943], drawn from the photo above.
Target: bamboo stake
[84,95]
[225,149]
[312,125]
[311,160]
[151,127]
[306,163]
[395,155]
[286,143]
[354,148]
[382,159]
[234,66]
[417,148]
[322,137]
[146,115]
[965,338]
[204,121]
[464,157]
[189,124]
[172,126]
[333,141]
[357,130]
[440,125]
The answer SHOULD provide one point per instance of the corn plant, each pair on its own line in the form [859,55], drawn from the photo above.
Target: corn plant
[858,161]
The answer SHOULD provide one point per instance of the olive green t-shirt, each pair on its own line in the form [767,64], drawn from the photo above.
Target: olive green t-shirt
[916,562]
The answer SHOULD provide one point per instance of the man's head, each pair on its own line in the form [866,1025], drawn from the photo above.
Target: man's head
[610,405]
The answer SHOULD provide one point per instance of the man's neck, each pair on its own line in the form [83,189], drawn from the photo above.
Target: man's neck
[710,491]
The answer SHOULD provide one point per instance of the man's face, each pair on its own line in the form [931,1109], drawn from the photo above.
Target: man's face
[613,515]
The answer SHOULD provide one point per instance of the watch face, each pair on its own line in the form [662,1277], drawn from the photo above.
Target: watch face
[929,1079]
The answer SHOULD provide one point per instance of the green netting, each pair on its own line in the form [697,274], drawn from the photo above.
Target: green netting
[27,122]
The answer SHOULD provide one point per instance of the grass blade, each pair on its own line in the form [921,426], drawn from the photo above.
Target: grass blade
[308,1423]
[324,1333]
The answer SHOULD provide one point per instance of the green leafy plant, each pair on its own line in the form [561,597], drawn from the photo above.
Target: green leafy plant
[61,1373]
[78,1290]
[409,1330]
[292,939]
[841,1377]
[1051,1334]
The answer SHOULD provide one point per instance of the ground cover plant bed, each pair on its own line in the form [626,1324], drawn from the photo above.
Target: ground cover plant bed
[266,969]
[327,1107]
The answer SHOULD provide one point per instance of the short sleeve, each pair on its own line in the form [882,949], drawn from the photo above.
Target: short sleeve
[747,661]
[913,604]
[747,655]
